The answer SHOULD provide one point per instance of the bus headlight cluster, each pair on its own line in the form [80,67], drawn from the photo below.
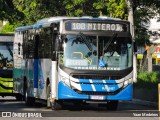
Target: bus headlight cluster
[126,82]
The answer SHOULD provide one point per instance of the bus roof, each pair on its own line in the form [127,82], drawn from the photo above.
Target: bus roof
[57,19]
[23,28]
[47,21]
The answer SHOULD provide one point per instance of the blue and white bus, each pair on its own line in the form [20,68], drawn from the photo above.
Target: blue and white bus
[74,59]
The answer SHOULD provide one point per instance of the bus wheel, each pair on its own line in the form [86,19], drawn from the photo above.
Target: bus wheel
[48,90]
[29,100]
[79,104]
[56,105]
[19,97]
[112,105]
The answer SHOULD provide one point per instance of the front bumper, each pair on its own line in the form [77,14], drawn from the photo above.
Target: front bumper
[64,93]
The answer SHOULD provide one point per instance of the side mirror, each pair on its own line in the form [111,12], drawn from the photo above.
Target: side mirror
[59,42]
[135,46]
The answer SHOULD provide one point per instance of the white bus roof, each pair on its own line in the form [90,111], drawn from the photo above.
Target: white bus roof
[47,21]
[23,28]
[56,19]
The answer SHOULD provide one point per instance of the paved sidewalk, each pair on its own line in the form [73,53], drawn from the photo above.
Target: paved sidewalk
[143,102]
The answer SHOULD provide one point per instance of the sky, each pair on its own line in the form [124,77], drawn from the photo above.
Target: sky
[154,25]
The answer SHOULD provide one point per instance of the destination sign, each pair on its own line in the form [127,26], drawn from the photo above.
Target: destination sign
[82,26]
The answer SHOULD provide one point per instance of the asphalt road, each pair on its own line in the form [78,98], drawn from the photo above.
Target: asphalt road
[69,111]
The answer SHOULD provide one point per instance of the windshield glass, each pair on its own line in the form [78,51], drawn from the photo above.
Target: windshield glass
[6,56]
[98,53]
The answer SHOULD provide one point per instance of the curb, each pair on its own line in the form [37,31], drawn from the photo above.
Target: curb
[143,102]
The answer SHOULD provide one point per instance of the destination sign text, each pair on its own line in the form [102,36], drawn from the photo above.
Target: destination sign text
[79,26]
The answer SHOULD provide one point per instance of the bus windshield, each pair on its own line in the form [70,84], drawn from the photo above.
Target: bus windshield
[97,52]
[6,56]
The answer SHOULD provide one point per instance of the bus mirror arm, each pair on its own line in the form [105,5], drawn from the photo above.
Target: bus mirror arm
[58,45]
[135,46]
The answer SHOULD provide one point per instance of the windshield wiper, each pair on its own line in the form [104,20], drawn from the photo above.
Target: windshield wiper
[84,38]
[9,49]
[109,42]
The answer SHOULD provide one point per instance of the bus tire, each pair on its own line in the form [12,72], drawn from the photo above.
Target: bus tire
[56,105]
[48,90]
[19,97]
[24,88]
[79,104]
[29,101]
[112,105]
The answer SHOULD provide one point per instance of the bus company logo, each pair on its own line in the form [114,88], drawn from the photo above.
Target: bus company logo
[108,88]
[6,114]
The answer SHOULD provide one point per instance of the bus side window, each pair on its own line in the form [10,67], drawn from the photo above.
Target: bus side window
[36,45]
[24,45]
[30,49]
[44,43]
[30,44]
[19,48]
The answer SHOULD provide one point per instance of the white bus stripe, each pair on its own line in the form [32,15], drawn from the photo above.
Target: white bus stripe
[106,87]
[92,85]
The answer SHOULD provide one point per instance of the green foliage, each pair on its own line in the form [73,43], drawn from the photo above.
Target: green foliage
[112,8]
[117,8]
[80,8]
[148,79]
[9,12]
[7,28]
[26,12]
[38,9]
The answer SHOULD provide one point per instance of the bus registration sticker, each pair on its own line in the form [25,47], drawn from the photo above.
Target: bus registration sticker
[97,97]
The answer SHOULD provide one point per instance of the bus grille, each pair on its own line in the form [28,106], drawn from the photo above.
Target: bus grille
[98,93]
[94,76]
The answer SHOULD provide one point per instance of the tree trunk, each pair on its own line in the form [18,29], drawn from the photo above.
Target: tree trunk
[150,51]
[130,15]
[149,56]
[130,18]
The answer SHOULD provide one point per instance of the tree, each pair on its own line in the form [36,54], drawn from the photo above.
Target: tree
[9,12]
[34,10]
[38,9]
[143,11]
[80,8]
[112,8]
[7,28]
[25,12]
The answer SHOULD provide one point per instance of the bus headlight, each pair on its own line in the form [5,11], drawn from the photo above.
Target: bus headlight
[126,82]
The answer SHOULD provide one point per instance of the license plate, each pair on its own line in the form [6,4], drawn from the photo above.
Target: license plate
[97,97]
